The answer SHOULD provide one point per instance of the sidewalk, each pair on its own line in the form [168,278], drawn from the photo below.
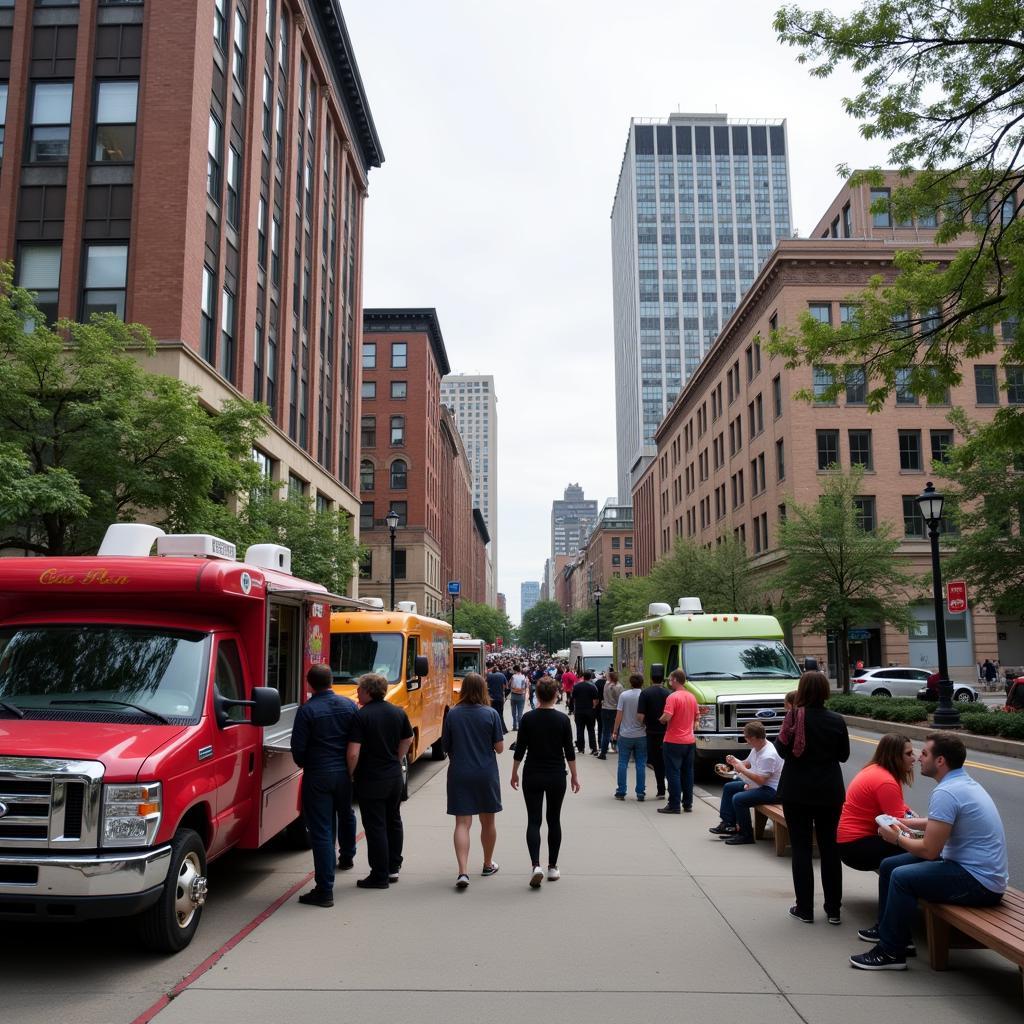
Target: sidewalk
[652,920]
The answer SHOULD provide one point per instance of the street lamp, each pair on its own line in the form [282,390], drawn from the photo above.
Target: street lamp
[392,520]
[930,503]
[597,608]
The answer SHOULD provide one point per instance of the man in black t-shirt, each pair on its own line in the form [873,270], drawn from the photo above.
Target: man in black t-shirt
[497,684]
[380,738]
[649,711]
[585,700]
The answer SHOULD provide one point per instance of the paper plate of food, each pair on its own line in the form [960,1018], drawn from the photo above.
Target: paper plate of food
[723,771]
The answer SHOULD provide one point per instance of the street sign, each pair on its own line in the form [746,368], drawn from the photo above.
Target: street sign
[860,634]
[454,586]
[956,597]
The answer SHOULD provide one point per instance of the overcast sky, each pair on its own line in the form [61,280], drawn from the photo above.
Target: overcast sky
[503,126]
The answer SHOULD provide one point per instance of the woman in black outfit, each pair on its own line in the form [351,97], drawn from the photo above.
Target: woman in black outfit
[546,735]
[813,742]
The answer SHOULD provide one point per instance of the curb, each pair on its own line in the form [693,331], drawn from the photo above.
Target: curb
[985,744]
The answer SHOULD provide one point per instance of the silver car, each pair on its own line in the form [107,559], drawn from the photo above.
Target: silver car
[897,681]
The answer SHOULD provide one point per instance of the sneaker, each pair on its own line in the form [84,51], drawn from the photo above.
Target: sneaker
[834,919]
[688,810]
[393,877]
[721,829]
[537,877]
[489,869]
[640,798]
[315,898]
[346,863]
[619,796]
[878,960]
[369,882]
[871,935]
[660,794]
[462,882]
[668,810]
[741,840]
[793,913]
[554,874]
[602,757]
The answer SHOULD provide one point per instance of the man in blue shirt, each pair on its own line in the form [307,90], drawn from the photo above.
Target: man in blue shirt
[961,859]
[319,740]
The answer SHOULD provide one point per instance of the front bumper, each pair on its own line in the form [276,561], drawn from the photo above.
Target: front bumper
[81,887]
[717,744]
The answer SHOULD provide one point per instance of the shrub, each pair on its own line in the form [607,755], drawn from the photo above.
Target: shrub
[885,709]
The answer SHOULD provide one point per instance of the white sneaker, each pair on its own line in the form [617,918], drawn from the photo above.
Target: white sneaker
[536,878]
[553,875]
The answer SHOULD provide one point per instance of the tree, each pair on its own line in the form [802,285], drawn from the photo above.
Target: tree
[89,437]
[986,499]
[944,84]
[837,573]
[482,622]
[542,626]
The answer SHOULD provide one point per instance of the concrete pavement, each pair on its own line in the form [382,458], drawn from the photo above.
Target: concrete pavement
[652,919]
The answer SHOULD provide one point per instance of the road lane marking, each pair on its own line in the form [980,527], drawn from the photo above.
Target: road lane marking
[1015,773]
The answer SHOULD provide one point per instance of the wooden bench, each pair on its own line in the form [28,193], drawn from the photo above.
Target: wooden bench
[999,928]
[763,813]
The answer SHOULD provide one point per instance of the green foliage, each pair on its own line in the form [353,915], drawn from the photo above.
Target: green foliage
[886,709]
[837,574]
[482,622]
[88,437]
[542,626]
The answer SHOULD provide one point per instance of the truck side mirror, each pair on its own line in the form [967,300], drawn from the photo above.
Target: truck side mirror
[265,704]
[657,672]
[422,665]
[810,664]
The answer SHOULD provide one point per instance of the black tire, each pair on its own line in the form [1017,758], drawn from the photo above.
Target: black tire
[963,697]
[437,751]
[296,834]
[880,693]
[405,777]
[168,925]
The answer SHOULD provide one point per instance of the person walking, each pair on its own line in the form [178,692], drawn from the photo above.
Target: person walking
[497,684]
[631,738]
[584,708]
[545,741]
[519,689]
[680,744]
[381,737]
[472,737]
[650,710]
[609,703]
[813,742]
[320,737]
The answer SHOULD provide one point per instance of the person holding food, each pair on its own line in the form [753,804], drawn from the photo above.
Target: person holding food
[758,778]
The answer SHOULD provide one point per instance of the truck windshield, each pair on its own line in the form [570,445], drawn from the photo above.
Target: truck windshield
[598,663]
[738,659]
[355,654]
[466,662]
[157,672]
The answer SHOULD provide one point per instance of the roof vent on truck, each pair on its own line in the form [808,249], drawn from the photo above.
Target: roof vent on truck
[689,606]
[659,608]
[130,540]
[194,545]
[406,606]
[269,556]
[376,604]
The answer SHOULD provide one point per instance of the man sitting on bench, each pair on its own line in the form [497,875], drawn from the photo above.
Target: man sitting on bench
[758,779]
[961,859]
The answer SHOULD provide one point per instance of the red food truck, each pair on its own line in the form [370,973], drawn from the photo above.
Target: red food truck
[146,704]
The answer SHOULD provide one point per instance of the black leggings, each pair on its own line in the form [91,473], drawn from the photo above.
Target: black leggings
[535,789]
[807,823]
[865,854]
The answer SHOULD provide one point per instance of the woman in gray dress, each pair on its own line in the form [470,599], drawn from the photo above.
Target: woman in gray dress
[472,738]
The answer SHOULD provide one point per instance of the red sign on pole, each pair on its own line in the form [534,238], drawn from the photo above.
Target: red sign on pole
[956,597]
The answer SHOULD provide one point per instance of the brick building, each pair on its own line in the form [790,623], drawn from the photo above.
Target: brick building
[735,447]
[200,166]
[413,462]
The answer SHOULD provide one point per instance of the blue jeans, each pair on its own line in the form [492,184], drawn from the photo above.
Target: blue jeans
[325,796]
[679,772]
[347,833]
[904,879]
[637,747]
[518,702]
[607,724]
[736,804]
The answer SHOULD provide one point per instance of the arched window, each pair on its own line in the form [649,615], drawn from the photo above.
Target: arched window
[366,475]
[399,475]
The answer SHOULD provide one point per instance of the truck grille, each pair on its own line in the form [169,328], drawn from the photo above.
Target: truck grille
[734,714]
[49,803]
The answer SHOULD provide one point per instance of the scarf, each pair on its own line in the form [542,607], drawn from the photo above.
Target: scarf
[792,731]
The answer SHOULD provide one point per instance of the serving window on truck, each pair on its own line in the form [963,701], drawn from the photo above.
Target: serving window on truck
[284,650]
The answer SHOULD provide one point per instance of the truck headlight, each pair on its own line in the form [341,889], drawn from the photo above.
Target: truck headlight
[706,718]
[131,814]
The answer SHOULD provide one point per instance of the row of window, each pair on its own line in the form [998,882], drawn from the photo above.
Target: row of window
[986,386]
[861,453]
[955,209]
[400,563]
[368,432]
[104,281]
[366,514]
[399,389]
[399,355]
[398,475]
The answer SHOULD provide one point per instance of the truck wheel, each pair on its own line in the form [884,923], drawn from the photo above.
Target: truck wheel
[437,750]
[297,835]
[405,777]
[168,925]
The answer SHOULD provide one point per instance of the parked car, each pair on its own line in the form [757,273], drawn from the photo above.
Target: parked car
[899,681]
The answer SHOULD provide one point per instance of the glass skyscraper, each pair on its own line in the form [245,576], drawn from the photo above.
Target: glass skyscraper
[701,202]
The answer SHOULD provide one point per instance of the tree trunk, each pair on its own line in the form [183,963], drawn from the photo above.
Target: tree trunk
[844,656]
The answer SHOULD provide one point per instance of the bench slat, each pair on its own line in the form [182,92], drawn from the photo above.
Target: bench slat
[999,928]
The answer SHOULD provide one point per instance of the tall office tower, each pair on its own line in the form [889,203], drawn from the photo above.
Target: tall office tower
[700,203]
[201,168]
[475,403]
[529,595]
[571,521]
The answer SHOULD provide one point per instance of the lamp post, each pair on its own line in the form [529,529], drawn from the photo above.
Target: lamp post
[597,609]
[946,716]
[392,520]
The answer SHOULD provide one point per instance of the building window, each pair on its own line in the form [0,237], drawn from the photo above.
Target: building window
[777,396]
[1015,385]
[401,509]
[39,272]
[616,560]
[220,23]
[116,113]
[297,487]
[904,396]
[856,386]
[268,104]
[823,382]
[213,151]
[366,565]
[780,459]
[913,521]
[264,462]
[847,222]
[880,216]
[910,450]
[368,389]
[616,542]
[227,334]
[864,513]
[366,515]
[208,341]
[986,386]
[628,542]
[369,355]
[368,432]
[399,389]
[860,448]
[820,311]
[942,442]
[239,45]
[366,475]
[828,448]
[106,275]
[234,185]
[397,431]
[51,123]
[400,564]
[3,116]
[628,561]
[275,249]
[261,233]
[399,355]
[399,475]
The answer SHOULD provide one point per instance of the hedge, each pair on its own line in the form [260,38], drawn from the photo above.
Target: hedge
[976,718]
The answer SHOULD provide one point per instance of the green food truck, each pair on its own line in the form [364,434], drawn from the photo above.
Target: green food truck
[737,666]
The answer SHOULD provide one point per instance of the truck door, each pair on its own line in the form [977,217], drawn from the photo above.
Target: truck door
[417,698]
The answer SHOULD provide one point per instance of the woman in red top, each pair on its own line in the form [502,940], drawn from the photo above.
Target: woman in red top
[876,789]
